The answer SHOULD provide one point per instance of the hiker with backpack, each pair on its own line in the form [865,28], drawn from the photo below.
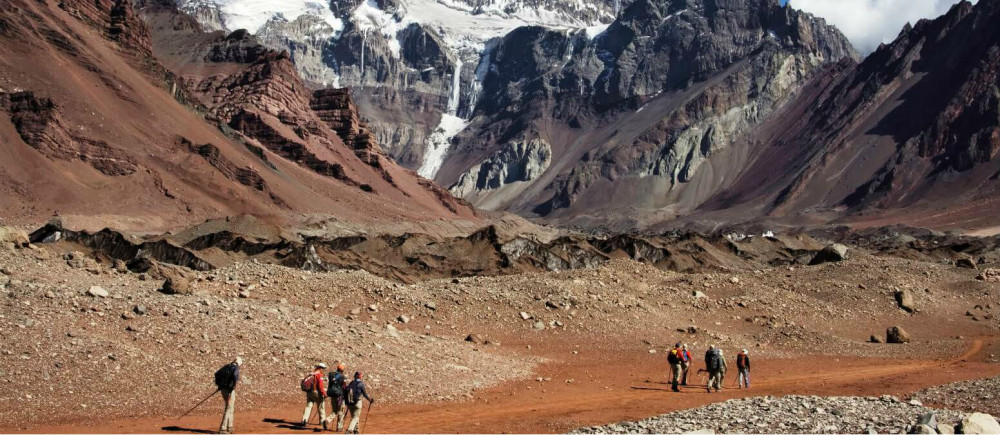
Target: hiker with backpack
[743,365]
[312,384]
[685,363]
[354,394]
[335,391]
[675,358]
[226,379]
[715,366]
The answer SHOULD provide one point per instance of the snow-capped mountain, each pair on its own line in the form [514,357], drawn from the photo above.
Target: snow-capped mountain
[415,66]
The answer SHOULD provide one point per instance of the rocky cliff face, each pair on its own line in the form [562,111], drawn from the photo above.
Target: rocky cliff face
[634,112]
[916,125]
[408,63]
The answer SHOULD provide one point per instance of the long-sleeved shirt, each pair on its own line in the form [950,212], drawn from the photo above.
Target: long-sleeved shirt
[356,390]
[318,383]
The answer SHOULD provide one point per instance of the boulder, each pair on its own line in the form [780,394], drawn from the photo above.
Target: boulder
[14,236]
[875,339]
[965,263]
[176,282]
[923,429]
[832,253]
[97,292]
[945,428]
[896,334]
[905,300]
[392,331]
[979,423]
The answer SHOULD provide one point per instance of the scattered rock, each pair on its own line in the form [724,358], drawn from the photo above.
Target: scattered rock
[698,294]
[392,331]
[14,236]
[475,339]
[97,292]
[403,318]
[989,275]
[524,315]
[431,305]
[875,339]
[139,309]
[176,282]
[831,253]
[965,263]
[539,325]
[905,300]
[896,334]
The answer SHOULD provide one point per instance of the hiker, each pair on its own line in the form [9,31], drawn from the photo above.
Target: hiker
[353,395]
[312,384]
[714,363]
[685,363]
[674,358]
[335,391]
[722,370]
[743,365]
[226,379]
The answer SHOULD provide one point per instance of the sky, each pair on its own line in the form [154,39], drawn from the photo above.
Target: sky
[867,23]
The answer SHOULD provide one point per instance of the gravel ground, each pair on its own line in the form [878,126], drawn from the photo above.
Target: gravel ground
[790,414]
[979,395]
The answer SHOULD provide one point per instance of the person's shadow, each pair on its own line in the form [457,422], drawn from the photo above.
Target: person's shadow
[185,429]
[291,425]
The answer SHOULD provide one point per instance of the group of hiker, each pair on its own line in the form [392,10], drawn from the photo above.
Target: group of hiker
[680,361]
[318,386]
[344,397]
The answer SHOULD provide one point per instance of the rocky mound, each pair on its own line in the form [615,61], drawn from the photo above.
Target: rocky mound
[794,414]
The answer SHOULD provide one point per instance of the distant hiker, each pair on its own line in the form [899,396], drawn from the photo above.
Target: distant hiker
[675,358]
[354,394]
[722,370]
[685,363]
[743,364]
[714,365]
[312,384]
[226,379]
[335,391]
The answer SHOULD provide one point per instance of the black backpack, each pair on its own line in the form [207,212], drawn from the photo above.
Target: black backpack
[673,357]
[336,388]
[712,360]
[225,377]
[353,392]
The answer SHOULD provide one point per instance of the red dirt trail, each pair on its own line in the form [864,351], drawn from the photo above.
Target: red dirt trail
[596,386]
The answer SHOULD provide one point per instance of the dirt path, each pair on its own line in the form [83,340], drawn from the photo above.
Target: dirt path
[596,386]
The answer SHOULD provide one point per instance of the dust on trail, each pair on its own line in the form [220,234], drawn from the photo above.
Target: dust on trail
[599,386]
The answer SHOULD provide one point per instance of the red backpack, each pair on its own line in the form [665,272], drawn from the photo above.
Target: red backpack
[309,382]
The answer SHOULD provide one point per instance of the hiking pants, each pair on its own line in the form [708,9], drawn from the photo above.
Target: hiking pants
[337,411]
[229,398]
[744,378]
[715,379]
[685,366]
[675,374]
[314,398]
[355,409]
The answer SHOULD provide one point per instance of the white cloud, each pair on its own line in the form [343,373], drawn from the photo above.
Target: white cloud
[867,23]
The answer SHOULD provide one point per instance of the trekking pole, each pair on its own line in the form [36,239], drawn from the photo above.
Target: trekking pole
[199,404]
[365,420]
